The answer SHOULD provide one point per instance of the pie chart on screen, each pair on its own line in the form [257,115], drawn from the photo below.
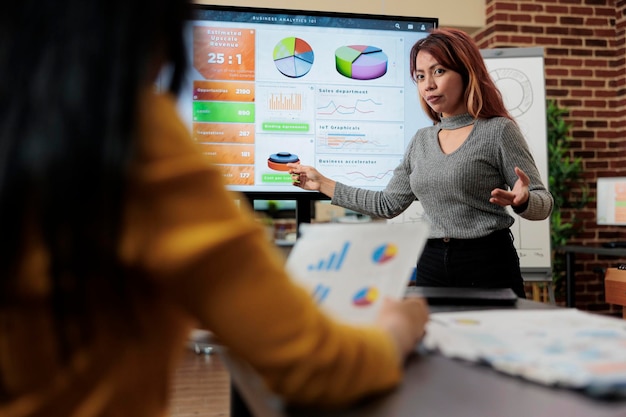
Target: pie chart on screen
[293,57]
[361,62]
[365,297]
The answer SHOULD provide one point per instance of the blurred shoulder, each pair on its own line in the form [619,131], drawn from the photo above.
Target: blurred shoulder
[161,131]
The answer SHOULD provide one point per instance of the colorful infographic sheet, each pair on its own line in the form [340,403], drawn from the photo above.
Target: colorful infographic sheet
[351,268]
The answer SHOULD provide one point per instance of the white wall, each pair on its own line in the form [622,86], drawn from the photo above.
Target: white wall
[468,15]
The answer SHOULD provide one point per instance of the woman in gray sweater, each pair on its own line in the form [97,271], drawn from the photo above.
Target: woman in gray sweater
[465,170]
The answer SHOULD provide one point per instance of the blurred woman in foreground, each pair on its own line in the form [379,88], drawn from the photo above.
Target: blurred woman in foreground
[118,237]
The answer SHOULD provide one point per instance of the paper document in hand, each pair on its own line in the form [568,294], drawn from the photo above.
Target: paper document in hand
[350,268]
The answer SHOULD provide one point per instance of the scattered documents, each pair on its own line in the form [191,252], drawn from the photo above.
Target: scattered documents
[562,347]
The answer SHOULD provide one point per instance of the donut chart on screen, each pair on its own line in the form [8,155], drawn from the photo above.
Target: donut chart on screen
[361,62]
[278,161]
[293,57]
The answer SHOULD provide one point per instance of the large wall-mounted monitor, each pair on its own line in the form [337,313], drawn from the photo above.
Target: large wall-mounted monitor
[332,90]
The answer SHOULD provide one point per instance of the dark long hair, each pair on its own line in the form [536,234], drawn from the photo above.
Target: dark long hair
[457,51]
[70,75]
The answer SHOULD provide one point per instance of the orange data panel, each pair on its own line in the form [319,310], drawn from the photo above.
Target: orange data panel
[223,91]
[223,132]
[238,174]
[224,53]
[228,154]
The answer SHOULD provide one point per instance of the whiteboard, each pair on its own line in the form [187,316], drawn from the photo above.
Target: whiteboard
[519,74]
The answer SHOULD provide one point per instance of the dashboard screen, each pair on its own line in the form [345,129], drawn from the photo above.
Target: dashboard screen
[268,87]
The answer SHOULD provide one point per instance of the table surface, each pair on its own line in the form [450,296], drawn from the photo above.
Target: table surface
[436,386]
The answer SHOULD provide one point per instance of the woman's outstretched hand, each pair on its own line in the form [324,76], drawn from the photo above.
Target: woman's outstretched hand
[309,178]
[304,176]
[517,196]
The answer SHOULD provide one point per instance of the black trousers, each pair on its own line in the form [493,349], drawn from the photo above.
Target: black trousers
[486,262]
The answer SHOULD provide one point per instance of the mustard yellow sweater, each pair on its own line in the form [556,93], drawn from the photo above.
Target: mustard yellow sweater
[209,265]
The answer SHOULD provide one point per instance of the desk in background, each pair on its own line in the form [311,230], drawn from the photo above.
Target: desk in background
[436,386]
[570,265]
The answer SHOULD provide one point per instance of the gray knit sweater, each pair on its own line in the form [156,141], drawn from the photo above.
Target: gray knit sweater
[454,189]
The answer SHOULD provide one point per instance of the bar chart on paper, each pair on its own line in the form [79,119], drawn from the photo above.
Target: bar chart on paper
[333,262]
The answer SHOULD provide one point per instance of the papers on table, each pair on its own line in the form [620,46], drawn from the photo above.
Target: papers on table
[564,347]
[350,268]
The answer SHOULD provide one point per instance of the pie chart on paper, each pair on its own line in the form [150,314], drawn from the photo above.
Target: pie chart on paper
[365,297]
[361,62]
[384,253]
[293,57]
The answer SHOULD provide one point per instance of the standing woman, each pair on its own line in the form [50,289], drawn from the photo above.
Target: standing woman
[117,236]
[465,170]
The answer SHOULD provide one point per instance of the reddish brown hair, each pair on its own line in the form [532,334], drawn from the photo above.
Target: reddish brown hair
[457,51]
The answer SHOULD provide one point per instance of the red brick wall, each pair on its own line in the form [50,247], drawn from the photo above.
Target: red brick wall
[584,45]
